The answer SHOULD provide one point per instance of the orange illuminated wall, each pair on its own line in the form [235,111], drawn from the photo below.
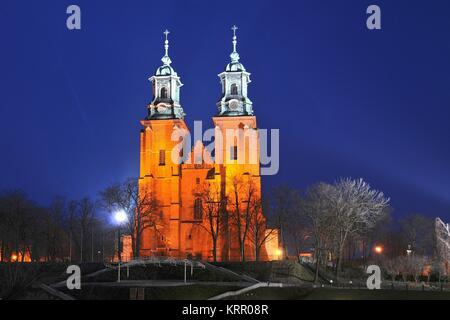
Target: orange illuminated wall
[179,234]
[20,257]
[272,245]
[127,249]
[162,176]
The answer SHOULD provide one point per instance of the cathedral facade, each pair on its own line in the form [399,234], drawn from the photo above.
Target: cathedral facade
[209,202]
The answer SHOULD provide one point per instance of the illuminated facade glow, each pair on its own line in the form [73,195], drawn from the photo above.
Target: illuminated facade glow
[183,228]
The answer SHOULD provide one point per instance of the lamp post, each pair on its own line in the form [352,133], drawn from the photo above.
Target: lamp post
[378,249]
[120,218]
[409,250]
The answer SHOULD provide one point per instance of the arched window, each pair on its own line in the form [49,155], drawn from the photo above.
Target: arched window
[162,157]
[234,89]
[163,93]
[198,209]
[234,153]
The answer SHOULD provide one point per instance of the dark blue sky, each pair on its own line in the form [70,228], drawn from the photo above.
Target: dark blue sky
[348,101]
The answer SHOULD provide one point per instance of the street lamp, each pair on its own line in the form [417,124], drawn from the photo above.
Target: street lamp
[120,217]
[378,249]
[409,250]
[279,253]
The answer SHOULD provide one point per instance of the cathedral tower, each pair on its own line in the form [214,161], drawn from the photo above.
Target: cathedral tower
[178,181]
[237,157]
[158,171]
[234,80]
[235,121]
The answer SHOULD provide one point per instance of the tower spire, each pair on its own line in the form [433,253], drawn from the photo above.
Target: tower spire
[166,86]
[166,60]
[234,80]
[234,55]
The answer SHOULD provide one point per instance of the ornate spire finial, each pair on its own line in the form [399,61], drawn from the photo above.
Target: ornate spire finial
[234,55]
[234,28]
[166,60]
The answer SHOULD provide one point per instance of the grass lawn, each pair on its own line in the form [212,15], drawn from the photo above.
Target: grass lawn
[293,293]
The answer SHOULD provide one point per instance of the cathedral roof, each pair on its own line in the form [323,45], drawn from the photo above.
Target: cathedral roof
[165,70]
[235,66]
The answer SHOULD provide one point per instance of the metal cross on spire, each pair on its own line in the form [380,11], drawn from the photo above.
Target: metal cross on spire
[166,33]
[166,59]
[234,28]
[166,43]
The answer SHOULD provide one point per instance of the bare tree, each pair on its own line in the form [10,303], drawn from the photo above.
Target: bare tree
[379,234]
[410,266]
[355,206]
[438,268]
[418,232]
[442,247]
[243,203]
[19,216]
[317,210]
[298,226]
[140,205]
[71,222]
[86,209]
[284,200]
[417,263]
[53,229]
[393,267]
[28,231]
[259,234]
[213,204]
[403,265]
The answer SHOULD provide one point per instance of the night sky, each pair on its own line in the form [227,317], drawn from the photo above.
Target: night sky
[348,101]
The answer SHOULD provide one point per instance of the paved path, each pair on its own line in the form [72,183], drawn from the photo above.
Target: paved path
[247,289]
[157,283]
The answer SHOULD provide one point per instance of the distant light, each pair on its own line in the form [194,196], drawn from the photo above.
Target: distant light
[14,258]
[120,216]
[279,252]
[378,249]
[408,251]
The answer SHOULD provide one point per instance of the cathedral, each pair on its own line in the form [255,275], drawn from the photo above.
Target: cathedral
[209,202]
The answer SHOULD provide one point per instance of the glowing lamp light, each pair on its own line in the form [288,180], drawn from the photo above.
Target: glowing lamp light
[14,258]
[408,251]
[279,252]
[378,249]
[120,216]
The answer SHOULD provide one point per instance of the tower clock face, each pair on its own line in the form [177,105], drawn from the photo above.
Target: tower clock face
[162,107]
[233,104]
